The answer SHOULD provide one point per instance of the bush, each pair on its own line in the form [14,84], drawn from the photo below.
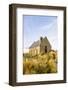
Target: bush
[40,64]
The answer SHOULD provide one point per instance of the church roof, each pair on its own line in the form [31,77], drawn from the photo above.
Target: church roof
[35,44]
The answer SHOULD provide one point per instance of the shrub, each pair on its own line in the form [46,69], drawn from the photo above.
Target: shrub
[40,64]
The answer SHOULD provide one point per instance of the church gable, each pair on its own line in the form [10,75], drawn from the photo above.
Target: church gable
[45,45]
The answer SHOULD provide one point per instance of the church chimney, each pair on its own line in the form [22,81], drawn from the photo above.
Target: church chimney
[41,38]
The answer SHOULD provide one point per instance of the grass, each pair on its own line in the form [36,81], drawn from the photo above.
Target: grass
[40,64]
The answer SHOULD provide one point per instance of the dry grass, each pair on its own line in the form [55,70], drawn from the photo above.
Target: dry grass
[40,64]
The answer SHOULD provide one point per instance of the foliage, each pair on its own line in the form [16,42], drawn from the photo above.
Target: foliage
[40,64]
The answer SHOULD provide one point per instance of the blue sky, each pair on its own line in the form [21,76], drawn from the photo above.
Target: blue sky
[37,26]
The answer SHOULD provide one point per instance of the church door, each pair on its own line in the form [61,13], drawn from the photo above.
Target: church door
[45,49]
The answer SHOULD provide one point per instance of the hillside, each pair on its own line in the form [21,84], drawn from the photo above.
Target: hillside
[40,64]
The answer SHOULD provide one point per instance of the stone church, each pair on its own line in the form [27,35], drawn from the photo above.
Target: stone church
[40,47]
